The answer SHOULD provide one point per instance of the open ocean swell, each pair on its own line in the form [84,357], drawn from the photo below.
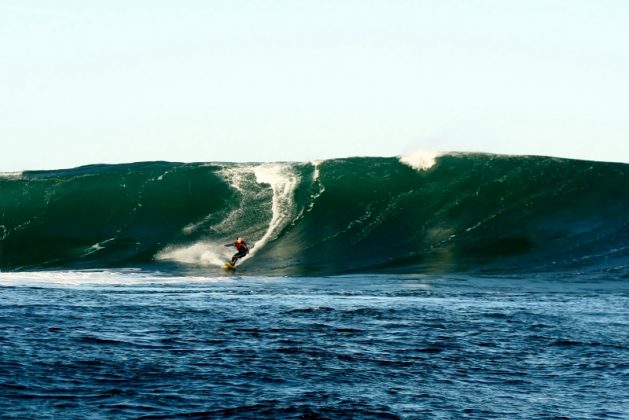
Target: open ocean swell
[132,344]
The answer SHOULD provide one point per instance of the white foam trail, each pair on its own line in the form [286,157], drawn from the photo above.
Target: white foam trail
[283,181]
[315,179]
[316,173]
[420,159]
[97,278]
[205,253]
[201,254]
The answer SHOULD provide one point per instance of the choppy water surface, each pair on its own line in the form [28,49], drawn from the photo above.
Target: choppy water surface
[141,345]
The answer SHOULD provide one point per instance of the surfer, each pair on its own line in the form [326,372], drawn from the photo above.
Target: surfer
[242,248]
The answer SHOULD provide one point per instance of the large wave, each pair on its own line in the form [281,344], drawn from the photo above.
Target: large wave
[419,213]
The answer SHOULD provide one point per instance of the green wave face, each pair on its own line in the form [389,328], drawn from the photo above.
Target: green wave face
[466,212]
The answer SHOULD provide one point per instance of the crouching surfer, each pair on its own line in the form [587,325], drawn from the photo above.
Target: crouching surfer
[242,248]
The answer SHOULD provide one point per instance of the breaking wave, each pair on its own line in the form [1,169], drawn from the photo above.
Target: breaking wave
[419,213]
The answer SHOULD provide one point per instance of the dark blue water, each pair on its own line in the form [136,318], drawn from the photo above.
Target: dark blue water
[140,345]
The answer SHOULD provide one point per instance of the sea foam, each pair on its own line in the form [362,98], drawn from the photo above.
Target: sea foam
[281,178]
[420,159]
[11,175]
[283,181]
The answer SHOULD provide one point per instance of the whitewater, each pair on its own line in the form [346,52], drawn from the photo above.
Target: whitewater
[424,286]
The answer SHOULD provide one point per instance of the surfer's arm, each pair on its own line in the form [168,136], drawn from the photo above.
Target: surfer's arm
[228,245]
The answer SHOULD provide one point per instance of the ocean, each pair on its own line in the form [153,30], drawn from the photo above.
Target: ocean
[452,286]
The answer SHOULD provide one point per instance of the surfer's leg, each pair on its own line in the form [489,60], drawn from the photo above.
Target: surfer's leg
[238,255]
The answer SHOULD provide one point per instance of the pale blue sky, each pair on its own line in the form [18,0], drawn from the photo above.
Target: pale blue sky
[88,81]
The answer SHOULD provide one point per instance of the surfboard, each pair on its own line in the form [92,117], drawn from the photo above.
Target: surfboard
[229,265]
